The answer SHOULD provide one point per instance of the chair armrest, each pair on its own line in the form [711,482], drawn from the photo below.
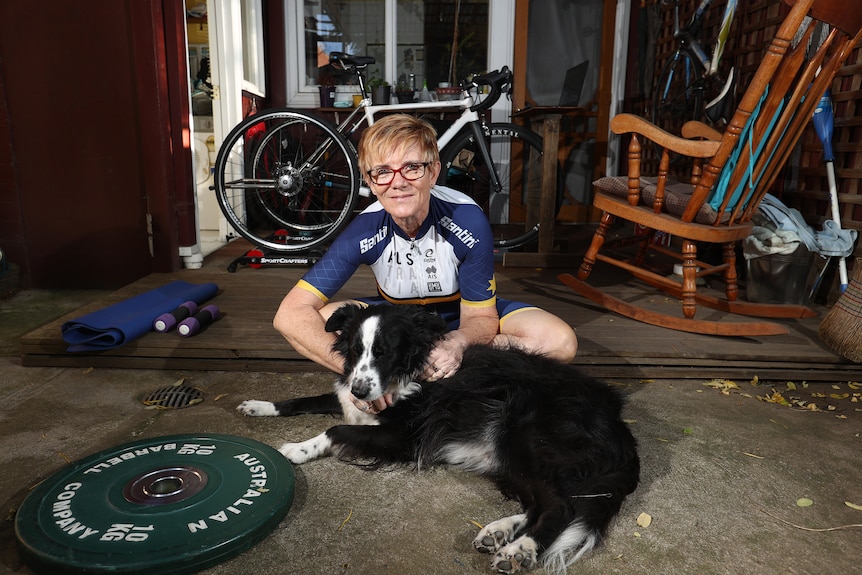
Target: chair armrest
[698,130]
[629,123]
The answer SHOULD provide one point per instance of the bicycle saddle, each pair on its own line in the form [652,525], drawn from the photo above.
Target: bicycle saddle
[345,61]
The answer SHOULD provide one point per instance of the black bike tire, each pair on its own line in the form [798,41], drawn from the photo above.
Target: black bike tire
[247,191]
[465,140]
[681,105]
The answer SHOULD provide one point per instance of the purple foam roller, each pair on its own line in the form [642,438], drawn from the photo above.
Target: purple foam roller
[167,321]
[199,321]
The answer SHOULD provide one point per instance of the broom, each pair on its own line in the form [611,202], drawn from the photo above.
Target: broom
[823,121]
[841,329]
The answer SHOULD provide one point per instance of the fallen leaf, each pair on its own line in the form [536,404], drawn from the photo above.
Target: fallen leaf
[853,506]
[839,395]
[644,520]
[774,397]
[804,502]
[791,386]
[723,385]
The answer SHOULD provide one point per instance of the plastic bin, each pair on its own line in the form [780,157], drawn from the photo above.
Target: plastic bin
[780,278]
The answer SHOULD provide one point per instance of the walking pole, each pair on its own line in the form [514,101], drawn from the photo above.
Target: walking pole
[823,120]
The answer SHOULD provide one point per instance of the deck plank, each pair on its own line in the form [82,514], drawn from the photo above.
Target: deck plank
[610,345]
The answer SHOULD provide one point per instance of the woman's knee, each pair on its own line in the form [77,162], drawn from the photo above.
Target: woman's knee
[539,331]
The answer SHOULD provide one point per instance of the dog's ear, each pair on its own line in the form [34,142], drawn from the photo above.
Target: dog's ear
[430,322]
[342,317]
[424,329]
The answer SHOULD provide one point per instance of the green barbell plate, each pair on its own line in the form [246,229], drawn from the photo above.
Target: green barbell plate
[172,504]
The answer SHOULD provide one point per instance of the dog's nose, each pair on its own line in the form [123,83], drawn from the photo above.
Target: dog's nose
[361,388]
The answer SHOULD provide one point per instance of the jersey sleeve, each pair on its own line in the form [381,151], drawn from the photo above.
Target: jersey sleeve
[336,266]
[476,274]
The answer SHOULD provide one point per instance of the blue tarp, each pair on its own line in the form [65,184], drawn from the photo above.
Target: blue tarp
[115,325]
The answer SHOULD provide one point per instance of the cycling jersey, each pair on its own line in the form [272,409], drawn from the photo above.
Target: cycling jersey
[450,259]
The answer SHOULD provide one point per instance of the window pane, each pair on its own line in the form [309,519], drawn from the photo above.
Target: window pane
[442,29]
[352,26]
[425,34]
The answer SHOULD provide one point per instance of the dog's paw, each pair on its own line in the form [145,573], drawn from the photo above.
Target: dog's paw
[299,453]
[520,555]
[499,533]
[257,408]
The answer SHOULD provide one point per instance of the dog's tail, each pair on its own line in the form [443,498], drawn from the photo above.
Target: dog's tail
[576,540]
[593,504]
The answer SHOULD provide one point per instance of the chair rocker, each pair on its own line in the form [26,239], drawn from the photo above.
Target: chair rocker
[730,174]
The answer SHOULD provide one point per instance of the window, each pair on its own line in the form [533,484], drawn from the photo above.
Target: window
[411,40]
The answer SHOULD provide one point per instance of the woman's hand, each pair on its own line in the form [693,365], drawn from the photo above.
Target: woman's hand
[373,407]
[445,358]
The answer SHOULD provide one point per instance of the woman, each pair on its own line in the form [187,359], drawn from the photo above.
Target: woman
[427,245]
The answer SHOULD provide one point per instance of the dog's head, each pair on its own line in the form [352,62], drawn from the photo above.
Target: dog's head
[383,346]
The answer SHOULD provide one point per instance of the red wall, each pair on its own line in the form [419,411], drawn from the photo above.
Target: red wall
[87,146]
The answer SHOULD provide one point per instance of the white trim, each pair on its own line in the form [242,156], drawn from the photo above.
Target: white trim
[501,47]
[618,80]
[252,26]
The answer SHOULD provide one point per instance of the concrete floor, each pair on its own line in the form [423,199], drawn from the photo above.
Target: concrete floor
[721,474]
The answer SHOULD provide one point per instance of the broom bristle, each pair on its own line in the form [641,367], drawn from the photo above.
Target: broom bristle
[841,329]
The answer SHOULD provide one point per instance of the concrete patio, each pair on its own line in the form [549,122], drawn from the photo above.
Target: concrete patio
[721,474]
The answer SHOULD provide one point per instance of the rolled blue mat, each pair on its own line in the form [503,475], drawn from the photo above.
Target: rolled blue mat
[115,325]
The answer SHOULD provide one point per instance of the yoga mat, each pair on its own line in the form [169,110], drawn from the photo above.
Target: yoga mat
[115,325]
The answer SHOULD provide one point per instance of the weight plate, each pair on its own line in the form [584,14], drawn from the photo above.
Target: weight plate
[172,504]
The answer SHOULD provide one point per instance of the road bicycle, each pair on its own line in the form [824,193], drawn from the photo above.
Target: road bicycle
[690,86]
[288,180]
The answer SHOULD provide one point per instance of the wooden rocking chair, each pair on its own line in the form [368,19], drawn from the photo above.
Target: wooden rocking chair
[731,173]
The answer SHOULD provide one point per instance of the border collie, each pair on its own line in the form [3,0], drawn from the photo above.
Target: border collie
[547,435]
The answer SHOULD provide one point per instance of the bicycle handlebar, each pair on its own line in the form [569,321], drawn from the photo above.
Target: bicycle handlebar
[500,82]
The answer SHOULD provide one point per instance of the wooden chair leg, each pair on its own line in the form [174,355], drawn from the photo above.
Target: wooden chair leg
[595,245]
[731,286]
[689,278]
[643,250]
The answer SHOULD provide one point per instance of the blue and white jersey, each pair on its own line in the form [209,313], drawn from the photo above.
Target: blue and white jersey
[450,259]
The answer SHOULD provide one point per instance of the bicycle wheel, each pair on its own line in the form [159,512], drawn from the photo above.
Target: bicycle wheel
[677,94]
[286,181]
[517,154]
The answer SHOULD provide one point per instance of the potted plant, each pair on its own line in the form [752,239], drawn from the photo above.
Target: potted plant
[326,84]
[404,93]
[381,91]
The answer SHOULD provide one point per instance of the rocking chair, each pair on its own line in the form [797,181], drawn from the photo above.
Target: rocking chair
[730,174]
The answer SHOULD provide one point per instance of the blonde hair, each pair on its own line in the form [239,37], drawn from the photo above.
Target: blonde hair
[396,133]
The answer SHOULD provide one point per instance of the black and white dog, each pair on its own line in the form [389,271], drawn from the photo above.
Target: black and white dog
[549,436]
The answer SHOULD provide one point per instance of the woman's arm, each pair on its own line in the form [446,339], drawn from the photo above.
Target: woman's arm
[300,321]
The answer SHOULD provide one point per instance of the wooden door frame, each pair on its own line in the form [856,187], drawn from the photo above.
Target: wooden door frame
[600,109]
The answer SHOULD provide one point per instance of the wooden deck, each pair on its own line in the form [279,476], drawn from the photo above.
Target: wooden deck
[610,345]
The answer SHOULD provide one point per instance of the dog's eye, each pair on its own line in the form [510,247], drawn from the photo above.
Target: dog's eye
[357,348]
[377,350]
